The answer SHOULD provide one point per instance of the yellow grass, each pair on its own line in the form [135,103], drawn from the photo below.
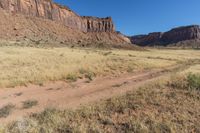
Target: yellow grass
[193,69]
[23,65]
[161,106]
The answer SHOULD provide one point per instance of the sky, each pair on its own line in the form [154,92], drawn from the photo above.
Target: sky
[133,17]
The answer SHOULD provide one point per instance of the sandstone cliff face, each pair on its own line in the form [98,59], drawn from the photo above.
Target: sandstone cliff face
[18,29]
[181,34]
[95,24]
[173,36]
[49,10]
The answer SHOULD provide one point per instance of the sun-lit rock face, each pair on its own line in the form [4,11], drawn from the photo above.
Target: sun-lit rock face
[49,10]
[95,24]
[181,33]
[175,35]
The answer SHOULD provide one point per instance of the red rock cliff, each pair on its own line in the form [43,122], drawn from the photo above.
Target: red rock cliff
[175,35]
[49,10]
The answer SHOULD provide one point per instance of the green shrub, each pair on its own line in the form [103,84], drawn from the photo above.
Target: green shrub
[193,81]
[188,82]
[72,77]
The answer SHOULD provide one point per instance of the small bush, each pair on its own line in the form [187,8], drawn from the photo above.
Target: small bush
[130,69]
[87,73]
[24,125]
[72,77]
[90,75]
[29,104]
[82,71]
[193,81]
[6,110]
[188,82]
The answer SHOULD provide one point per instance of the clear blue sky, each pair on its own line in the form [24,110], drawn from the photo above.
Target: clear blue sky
[133,17]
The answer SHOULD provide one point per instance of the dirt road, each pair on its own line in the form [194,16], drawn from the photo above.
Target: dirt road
[64,95]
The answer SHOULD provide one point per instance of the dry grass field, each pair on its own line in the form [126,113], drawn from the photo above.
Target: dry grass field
[193,69]
[168,104]
[26,65]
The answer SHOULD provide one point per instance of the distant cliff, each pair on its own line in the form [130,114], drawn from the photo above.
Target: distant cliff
[49,10]
[181,34]
[176,35]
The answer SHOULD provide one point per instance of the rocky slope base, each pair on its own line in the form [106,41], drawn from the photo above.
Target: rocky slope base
[187,36]
[25,23]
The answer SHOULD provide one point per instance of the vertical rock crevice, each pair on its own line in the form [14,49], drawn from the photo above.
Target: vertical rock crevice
[37,11]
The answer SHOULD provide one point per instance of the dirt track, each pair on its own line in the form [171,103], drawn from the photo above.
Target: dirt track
[64,95]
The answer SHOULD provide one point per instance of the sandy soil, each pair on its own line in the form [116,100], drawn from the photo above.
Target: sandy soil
[64,95]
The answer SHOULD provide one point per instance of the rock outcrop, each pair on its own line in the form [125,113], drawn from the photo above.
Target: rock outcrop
[49,10]
[18,29]
[173,36]
[181,34]
[95,24]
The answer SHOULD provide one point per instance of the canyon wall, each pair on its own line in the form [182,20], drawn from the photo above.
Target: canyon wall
[95,24]
[143,40]
[175,35]
[49,10]
[181,34]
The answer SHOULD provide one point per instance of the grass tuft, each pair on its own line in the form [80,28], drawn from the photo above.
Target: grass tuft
[29,104]
[72,77]
[6,110]
[90,75]
[194,81]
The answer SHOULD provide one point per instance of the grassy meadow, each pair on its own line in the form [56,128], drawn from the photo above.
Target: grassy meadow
[27,65]
[170,104]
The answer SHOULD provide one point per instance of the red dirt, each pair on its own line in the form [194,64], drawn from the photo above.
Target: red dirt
[64,95]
